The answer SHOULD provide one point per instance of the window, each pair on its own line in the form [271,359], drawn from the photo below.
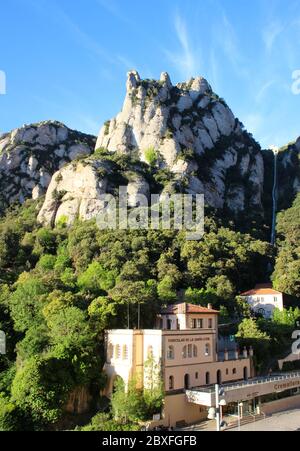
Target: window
[171,383]
[227,372]
[234,371]
[190,351]
[207,350]
[200,323]
[275,299]
[118,352]
[195,351]
[210,323]
[207,378]
[184,352]
[197,324]
[171,353]
[197,376]
[125,352]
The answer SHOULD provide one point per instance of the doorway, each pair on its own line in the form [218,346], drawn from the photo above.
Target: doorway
[187,382]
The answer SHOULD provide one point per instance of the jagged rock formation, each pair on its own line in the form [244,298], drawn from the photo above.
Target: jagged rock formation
[288,174]
[194,135]
[30,155]
[75,190]
[167,139]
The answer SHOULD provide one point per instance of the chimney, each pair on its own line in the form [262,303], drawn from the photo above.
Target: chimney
[210,307]
[182,308]
[226,355]
[237,354]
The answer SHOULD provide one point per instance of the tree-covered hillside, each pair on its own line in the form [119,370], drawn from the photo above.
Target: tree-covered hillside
[60,288]
[287,271]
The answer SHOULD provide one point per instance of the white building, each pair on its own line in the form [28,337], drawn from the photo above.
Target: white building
[184,346]
[263,299]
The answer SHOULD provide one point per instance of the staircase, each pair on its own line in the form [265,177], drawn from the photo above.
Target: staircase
[250,419]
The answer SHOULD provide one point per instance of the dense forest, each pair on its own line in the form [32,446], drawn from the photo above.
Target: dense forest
[61,287]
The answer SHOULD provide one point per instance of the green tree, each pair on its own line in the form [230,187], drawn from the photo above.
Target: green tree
[286,276]
[24,303]
[249,334]
[41,388]
[96,279]
[128,404]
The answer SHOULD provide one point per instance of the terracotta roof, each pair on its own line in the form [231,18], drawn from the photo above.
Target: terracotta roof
[176,309]
[261,289]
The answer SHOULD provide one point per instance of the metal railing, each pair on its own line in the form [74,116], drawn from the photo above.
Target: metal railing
[256,381]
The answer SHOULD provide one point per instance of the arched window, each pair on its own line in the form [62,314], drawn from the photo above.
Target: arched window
[125,352]
[207,350]
[187,381]
[234,371]
[195,351]
[171,383]
[190,351]
[207,379]
[117,352]
[184,352]
[171,353]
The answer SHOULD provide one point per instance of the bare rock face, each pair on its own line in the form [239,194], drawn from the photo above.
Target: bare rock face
[76,191]
[194,135]
[30,155]
[288,174]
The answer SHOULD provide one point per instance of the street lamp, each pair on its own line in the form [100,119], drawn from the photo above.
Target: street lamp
[240,409]
[219,404]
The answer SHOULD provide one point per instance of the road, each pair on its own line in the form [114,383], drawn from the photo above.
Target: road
[284,421]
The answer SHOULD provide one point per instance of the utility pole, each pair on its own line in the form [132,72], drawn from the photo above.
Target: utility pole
[218,418]
[219,404]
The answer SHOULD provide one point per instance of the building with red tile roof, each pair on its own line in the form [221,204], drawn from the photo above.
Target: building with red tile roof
[264,299]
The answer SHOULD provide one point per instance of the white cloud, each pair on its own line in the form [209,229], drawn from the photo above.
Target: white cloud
[263,90]
[186,60]
[225,37]
[271,33]
[113,8]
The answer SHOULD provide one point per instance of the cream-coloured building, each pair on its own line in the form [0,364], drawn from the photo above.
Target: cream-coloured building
[185,346]
[263,299]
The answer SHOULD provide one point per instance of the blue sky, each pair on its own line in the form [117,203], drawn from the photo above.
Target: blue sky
[67,60]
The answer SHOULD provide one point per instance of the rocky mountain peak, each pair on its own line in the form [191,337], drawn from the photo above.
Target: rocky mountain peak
[167,118]
[31,154]
[190,131]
